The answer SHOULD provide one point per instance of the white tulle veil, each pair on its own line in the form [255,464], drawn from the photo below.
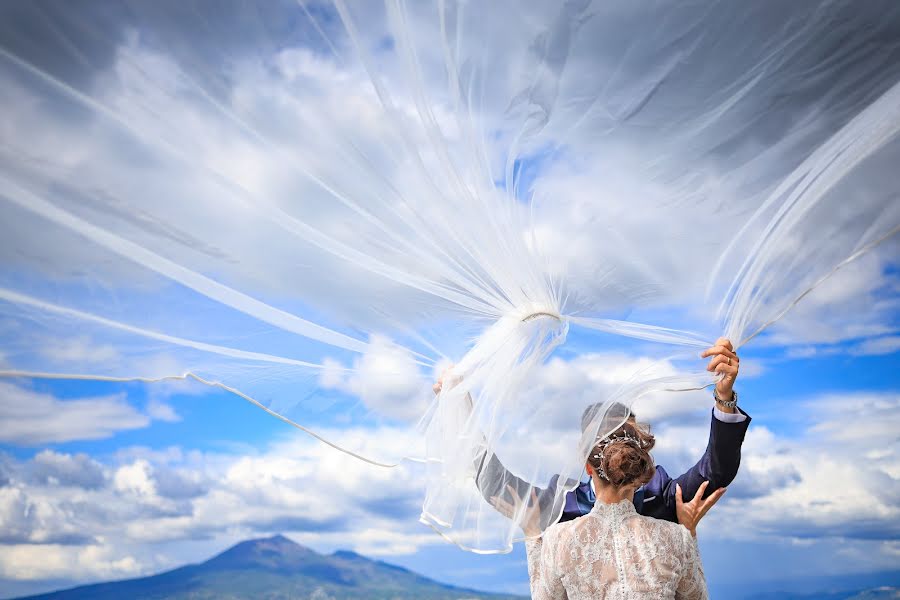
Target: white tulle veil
[321,205]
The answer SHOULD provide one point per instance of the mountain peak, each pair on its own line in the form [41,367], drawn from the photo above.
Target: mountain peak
[273,553]
[277,567]
[276,539]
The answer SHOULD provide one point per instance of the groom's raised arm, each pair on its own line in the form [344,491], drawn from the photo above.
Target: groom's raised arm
[718,465]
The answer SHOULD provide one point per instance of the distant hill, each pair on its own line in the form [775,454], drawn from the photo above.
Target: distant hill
[879,593]
[274,569]
[877,585]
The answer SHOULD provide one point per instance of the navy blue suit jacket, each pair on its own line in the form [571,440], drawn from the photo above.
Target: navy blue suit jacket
[718,465]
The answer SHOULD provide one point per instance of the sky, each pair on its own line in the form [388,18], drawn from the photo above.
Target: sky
[231,192]
[106,481]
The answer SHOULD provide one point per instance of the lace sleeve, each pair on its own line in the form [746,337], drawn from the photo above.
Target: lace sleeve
[544,579]
[692,585]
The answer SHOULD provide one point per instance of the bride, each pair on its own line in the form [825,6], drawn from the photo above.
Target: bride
[613,552]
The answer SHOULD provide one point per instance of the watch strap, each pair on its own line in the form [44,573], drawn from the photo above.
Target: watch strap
[726,403]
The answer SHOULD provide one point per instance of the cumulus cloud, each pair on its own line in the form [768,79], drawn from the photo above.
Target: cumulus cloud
[146,498]
[181,209]
[179,484]
[82,350]
[50,561]
[161,411]
[853,312]
[27,518]
[596,376]
[386,378]
[835,480]
[30,418]
[135,479]
[174,494]
[838,478]
[79,470]
[171,492]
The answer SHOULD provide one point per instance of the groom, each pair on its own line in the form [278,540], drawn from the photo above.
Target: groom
[718,465]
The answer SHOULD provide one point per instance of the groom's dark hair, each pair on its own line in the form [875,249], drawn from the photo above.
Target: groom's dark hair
[593,411]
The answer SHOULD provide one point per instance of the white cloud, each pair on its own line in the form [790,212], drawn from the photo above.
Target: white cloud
[28,417]
[135,479]
[386,378]
[851,312]
[296,485]
[81,350]
[871,419]
[837,478]
[160,411]
[49,561]
[595,376]
[877,346]
[587,234]
[29,518]
[79,470]
[874,346]
[179,209]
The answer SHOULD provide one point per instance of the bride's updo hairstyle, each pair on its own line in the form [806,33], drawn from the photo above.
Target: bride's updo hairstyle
[623,457]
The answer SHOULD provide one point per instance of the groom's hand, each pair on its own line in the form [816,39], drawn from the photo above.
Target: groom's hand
[690,513]
[726,362]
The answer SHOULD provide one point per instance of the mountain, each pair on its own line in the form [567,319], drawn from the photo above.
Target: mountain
[880,593]
[876,585]
[276,568]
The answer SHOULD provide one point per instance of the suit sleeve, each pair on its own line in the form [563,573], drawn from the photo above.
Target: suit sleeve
[718,465]
[495,480]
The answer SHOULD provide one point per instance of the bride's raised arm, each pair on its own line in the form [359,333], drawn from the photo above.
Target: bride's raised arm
[493,479]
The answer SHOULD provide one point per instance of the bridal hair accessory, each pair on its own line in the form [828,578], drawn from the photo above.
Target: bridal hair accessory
[604,442]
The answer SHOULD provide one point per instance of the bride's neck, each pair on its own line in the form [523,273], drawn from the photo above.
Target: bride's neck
[610,495]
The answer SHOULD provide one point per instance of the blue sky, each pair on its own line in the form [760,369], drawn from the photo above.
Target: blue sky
[222,427]
[258,197]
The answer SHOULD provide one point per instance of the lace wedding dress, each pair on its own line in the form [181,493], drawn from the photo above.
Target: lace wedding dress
[614,553]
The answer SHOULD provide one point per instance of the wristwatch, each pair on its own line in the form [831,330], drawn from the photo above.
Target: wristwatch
[726,403]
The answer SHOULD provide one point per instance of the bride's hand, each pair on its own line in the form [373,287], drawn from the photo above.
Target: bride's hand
[531,517]
[690,513]
[451,380]
[448,376]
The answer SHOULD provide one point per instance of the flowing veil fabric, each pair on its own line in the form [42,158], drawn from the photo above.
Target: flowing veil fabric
[319,205]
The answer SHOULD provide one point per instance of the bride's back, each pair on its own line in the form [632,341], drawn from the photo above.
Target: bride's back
[613,552]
